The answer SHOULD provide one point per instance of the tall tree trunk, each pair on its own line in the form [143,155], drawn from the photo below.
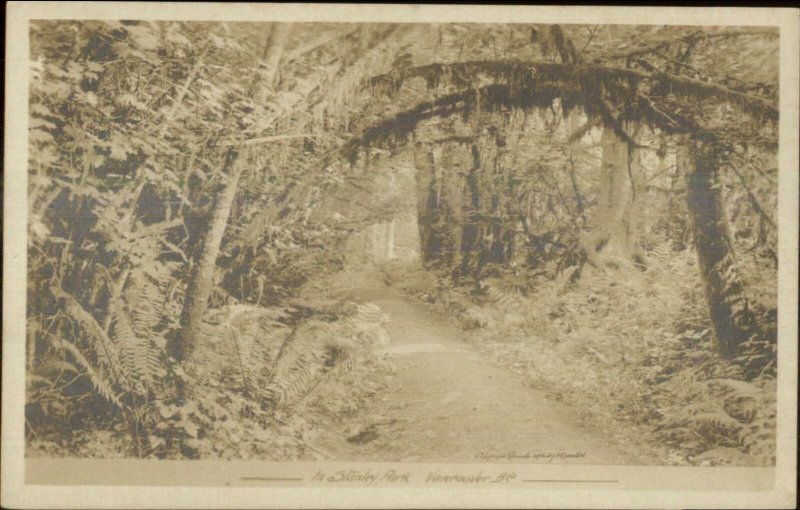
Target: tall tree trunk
[677,225]
[390,240]
[375,236]
[729,309]
[499,240]
[471,209]
[270,58]
[450,190]
[609,239]
[427,206]
[390,226]
[570,128]
[201,281]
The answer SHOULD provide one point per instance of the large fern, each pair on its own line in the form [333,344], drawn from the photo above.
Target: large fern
[317,352]
[135,317]
[505,295]
[96,344]
[293,370]
[102,383]
[239,346]
[720,412]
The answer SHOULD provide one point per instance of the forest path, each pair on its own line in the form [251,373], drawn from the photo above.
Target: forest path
[444,402]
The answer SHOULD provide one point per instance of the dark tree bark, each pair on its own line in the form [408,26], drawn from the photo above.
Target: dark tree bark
[430,239]
[471,209]
[499,246]
[729,308]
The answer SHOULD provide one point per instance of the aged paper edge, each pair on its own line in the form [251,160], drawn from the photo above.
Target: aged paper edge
[646,487]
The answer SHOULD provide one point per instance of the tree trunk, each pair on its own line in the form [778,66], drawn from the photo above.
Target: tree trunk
[376,244]
[201,281]
[498,248]
[390,240]
[609,239]
[390,226]
[270,58]
[471,209]
[430,242]
[729,309]
[677,225]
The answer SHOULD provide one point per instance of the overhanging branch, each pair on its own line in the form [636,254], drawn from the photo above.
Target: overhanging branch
[525,74]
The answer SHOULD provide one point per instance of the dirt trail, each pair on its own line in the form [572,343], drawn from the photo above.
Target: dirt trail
[446,403]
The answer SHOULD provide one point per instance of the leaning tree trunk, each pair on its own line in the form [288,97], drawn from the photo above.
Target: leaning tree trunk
[201,281]
[729,309]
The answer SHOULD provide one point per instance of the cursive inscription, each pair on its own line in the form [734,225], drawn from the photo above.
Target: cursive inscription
[361,476]
[368,477]
[528,456]
[438,476]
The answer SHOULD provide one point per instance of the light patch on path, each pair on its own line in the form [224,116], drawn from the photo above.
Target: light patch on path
[414,348]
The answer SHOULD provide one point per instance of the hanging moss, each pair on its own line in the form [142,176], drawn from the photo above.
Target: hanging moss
[621,83]
[489,99]
[399,127]
[455,139]
[760,109]
[607,95]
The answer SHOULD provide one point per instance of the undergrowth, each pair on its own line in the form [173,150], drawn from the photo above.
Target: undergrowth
[264,384]
[631,350]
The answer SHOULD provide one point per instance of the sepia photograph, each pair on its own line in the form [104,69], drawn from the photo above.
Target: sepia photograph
[393,253]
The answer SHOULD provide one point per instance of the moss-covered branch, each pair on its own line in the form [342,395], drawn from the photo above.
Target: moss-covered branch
[612,80]
[532,85]
[490,98]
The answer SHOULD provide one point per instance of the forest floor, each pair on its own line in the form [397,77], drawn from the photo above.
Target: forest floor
[463,378]
[445,401]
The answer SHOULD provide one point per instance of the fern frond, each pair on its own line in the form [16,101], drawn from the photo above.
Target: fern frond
[33,380]
[145,296]
[95,335]
[504,295]
[139,356]
[285,352]
[735,388]
[718,420]
[102,384]
[370,312]
[136,318]
[53,367]
[294,377]
[341,367]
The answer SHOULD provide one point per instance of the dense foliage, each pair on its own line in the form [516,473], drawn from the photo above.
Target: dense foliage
[194,187]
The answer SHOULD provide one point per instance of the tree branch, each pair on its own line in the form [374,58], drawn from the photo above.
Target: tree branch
[527,74]
[753,200]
